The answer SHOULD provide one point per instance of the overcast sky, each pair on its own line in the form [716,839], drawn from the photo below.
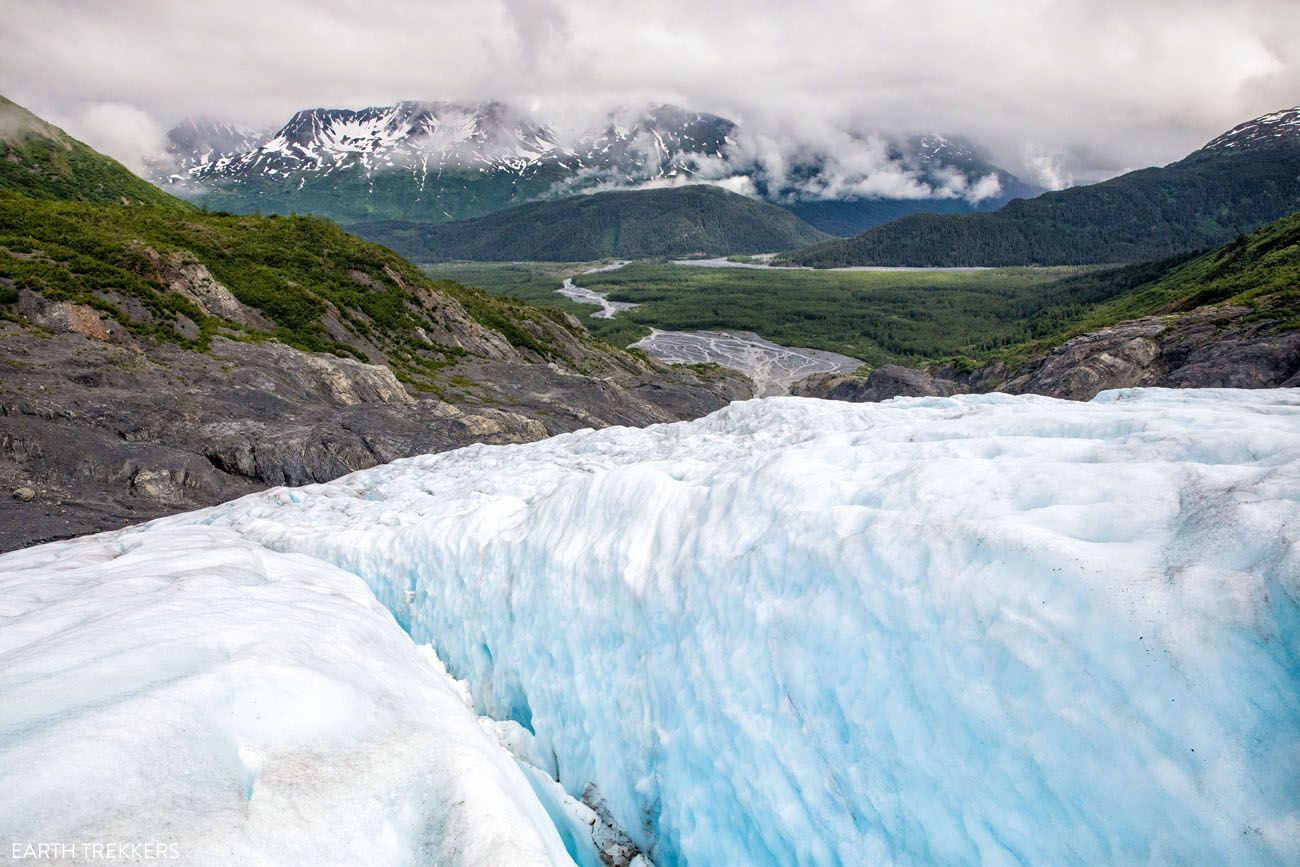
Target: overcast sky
[1062,89]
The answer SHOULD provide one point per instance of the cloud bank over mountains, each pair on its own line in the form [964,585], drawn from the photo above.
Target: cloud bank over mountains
[1058,92]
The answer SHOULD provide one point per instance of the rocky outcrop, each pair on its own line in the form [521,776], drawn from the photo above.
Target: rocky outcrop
[1207,348]
[613,846]
[451,324]
[185,275]
[1210,347]
[68,316]
[327,379]
[1078,369]
[886,381]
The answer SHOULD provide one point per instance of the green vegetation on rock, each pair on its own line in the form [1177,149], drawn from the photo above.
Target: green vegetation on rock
[78,228]
[44,162]
[304,274]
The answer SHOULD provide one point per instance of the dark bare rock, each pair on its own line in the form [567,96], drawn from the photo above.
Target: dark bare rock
[886,381]
[1210,347]
[1215,347]
[613,846]
[104,434]
[109,419]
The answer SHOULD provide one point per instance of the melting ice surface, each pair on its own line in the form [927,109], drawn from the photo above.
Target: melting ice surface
[188,687]
[972,630]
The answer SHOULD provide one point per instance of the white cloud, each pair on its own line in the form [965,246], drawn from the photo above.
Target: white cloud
[987,187]
[124,131]
[1118,84]
[1046,168]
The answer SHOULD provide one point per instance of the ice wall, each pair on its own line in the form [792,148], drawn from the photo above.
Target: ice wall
[190,697]
[976,630]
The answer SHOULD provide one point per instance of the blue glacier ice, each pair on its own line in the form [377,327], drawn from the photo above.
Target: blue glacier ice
[191,691]
[983,630]
[978,630]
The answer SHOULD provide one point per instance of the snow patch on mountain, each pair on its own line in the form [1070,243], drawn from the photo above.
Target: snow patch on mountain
[1275,128]
[406,135]
[650,146]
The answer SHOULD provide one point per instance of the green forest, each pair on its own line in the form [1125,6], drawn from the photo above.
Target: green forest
[674,222]
[914,317]
[878,316]
[1201,201]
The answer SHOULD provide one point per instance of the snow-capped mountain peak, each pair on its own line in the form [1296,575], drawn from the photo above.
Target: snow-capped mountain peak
[197,142]
[673,129]
[487,135]
[437,161]
[1275,128]
[645,144]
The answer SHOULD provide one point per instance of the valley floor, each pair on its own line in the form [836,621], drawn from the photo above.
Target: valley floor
[903,316]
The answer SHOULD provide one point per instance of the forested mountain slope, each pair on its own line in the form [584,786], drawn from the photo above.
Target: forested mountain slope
[1236,183]
[633,224]
[1226,318]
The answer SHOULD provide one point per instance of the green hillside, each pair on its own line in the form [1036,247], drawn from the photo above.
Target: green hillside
[678,221]
[42,161]
[75,226]
[297,271]
[1260,271]
[1201,201]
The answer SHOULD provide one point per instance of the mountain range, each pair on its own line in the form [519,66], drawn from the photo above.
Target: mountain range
[441,161]
[1235,183]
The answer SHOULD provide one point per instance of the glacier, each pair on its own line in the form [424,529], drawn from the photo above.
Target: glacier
[232,705]
[983,629]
